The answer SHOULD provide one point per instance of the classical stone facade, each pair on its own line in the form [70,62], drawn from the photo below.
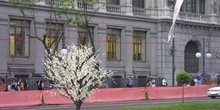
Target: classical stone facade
[155,18]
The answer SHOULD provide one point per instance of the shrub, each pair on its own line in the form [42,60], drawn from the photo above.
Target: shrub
[183,77]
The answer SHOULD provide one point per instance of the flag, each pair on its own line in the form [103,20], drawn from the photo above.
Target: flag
[176,11]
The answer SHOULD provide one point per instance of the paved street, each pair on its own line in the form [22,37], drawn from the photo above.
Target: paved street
[113,105]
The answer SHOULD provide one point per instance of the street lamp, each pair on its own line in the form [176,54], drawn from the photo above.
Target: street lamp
[208,54]
[63,51]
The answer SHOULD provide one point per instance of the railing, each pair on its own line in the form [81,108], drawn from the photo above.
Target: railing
[83,6]
[139,11]
[113,8]
[54,2]
[194,17]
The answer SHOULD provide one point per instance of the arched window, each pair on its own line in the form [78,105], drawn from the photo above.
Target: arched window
[191,64]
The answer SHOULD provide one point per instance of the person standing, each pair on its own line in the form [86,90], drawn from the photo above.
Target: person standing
[153,82]
[39,85]
[164,82]
[149,84]
[19,85]
[195,81]
[218,80]
[130,82]
[26,85]
[9,86]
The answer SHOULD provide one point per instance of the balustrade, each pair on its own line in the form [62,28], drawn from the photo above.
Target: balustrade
[111,8]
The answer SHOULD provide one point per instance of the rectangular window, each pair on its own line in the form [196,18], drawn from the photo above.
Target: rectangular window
[138,3]
[84,36]
[54,40]
[19,41]
[202,6]
[139,45]
[113,44]
[191,6]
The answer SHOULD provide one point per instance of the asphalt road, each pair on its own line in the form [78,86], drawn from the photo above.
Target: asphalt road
[114,105]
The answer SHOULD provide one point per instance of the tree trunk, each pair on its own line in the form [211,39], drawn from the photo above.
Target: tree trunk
[78,104]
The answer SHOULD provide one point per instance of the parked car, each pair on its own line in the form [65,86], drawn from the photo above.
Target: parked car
[214,92]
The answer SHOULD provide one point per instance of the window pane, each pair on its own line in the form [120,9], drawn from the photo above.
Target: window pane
[115,2]
[188,6]
[138,3]
[139,45]
[113,44]
[19,41]
[191,6]
[202,6]
[84,36]
[54,30]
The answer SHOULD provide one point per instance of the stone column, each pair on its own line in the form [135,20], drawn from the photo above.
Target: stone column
[75,4]
[101,45]
[153,52]
[164,11]
[41,2]
[38,50]
[162,4]
[128,51]
[71,35]
[150,3]
[213,8]
[128,7]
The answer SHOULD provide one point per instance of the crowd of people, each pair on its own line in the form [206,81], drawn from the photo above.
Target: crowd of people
[150,82]
[21,85]
[13,85]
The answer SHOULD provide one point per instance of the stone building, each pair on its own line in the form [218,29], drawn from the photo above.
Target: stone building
[129,32]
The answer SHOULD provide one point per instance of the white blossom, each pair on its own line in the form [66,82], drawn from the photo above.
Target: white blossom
[76,73]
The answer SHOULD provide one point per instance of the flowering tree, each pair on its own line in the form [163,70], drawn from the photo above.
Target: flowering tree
[75,73]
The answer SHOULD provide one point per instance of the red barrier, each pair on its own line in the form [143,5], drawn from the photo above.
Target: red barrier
[30,98]
[176,92]
[53,97]
[100,95]
[19,98]
[117,94]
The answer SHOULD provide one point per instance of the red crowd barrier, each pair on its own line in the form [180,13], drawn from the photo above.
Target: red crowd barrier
[53,97]
[176,92]
[31,98]
[19,98]
[100,95]
[117,94]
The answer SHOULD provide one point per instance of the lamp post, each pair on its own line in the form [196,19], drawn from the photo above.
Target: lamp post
[172,53]
[63,51]
[207,54]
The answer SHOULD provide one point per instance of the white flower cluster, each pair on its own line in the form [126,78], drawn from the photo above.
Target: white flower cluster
[76,73]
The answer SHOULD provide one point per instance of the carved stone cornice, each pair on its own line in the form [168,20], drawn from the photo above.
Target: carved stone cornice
[186,28]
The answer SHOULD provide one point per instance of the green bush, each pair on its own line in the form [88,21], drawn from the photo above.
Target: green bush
[183,77]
